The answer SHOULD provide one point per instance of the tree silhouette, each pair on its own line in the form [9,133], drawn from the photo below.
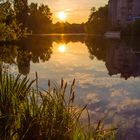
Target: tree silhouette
[21,10]
[39,19]
[98,21]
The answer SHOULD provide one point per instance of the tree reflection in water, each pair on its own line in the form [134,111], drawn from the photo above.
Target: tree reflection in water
[120,56]
[26,51]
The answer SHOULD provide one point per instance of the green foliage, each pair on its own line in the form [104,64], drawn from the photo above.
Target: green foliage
[10,32]
[14,20]
[8,54]
[27,113]
[21,11]
[12,92]
[98,21]
[9,28]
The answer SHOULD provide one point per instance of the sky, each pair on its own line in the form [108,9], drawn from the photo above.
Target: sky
[77,11]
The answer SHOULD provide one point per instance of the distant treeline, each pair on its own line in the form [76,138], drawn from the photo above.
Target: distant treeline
[68,28]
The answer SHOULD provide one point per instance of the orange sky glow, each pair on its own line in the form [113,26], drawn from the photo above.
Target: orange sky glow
[77,11]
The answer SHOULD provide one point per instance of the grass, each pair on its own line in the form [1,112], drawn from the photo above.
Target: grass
[26,113]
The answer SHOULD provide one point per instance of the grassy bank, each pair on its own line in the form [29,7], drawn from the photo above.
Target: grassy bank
[26,113]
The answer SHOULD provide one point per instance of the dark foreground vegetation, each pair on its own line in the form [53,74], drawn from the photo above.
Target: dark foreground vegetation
[29,113]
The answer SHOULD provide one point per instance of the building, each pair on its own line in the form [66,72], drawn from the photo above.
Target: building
[123,59]
[122,12]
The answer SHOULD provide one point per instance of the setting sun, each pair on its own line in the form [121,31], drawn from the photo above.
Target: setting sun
[62,16]
[61,48]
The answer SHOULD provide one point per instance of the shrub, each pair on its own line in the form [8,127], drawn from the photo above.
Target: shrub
[29,113]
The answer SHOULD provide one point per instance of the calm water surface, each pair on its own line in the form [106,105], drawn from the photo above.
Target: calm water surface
[106,72]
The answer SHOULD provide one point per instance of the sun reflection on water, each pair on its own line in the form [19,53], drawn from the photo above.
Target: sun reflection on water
[62,48]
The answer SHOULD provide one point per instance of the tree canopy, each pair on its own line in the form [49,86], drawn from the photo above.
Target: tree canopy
[9,28]
[17,16]
[39,19]
[98,21]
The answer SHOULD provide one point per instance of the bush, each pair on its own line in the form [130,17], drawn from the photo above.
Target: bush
[27,113]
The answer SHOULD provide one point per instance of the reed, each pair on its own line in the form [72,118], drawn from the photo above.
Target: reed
[29,113]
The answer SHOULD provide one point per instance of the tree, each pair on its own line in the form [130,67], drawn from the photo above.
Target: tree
[21,10]
[98,21]
[9,28]
[66,27]
[40,18]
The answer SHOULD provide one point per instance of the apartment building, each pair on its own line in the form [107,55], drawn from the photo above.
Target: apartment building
[124,11]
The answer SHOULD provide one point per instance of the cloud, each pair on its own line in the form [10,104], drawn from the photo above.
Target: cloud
[92,98]
[119,93]
[125,104]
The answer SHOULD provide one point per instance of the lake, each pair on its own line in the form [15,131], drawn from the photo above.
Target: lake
[107,73]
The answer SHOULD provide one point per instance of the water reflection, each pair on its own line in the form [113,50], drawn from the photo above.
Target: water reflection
[99,65]
[124,60]
[29,50]
[120,56]
[62,48]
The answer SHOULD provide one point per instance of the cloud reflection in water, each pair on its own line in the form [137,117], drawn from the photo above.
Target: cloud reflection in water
[106,79]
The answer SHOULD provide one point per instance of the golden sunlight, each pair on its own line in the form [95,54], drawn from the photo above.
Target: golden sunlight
[61,16]
[62,48]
